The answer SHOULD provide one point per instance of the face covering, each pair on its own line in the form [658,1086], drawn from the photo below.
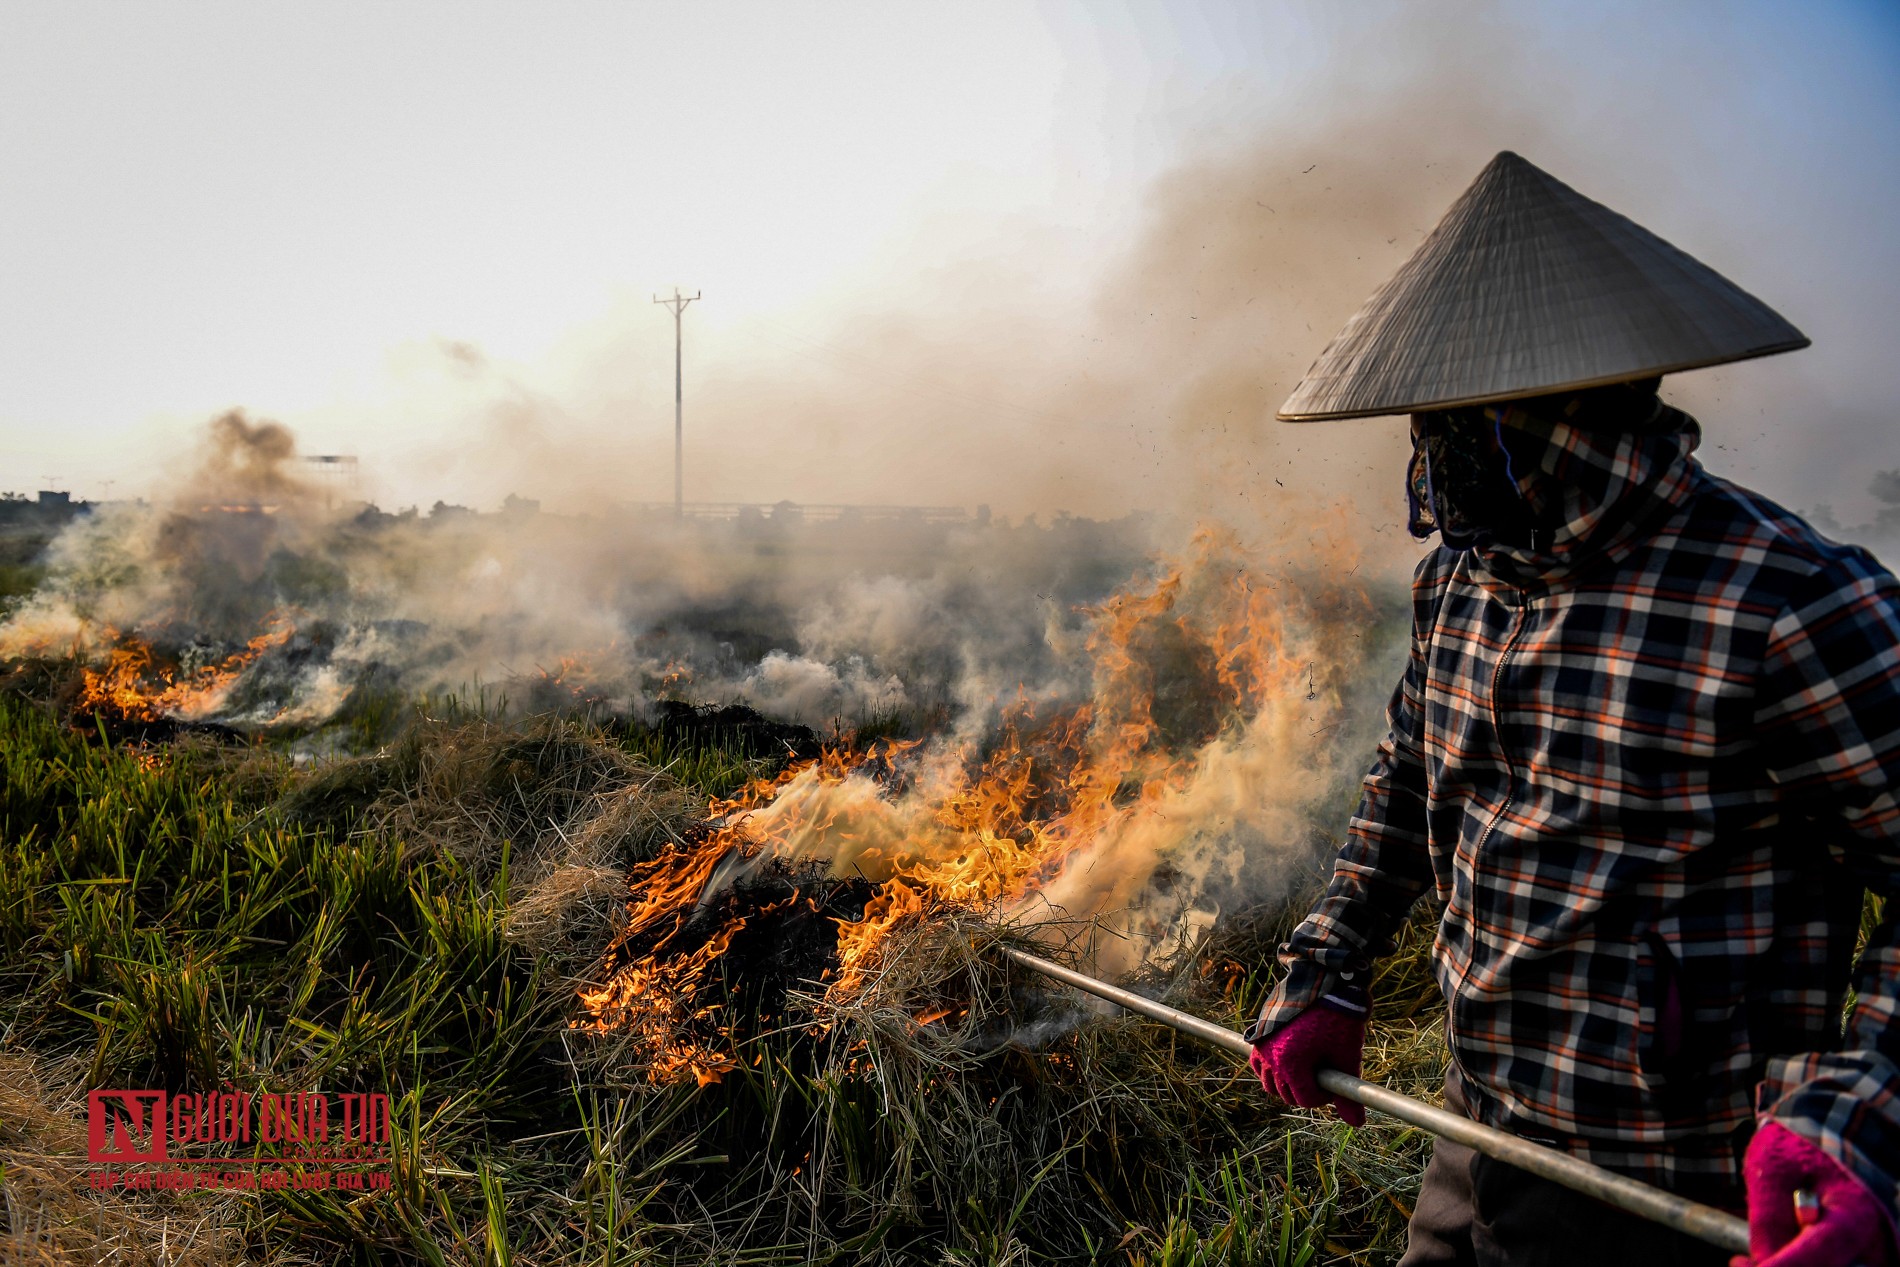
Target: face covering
[1463,481]
[1474,478]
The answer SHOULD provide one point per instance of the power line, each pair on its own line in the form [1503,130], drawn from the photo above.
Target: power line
[678,305]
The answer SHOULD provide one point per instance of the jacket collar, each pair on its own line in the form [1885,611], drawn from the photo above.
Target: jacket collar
[1605,491]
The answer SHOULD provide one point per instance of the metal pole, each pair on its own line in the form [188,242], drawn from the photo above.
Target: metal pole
[678,304]
[1700,1221]
[679,418]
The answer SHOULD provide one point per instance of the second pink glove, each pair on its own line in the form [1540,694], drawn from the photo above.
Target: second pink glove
[1837,1221]
[1318,1038]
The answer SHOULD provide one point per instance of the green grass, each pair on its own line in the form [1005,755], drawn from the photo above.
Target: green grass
[201,913]
[17,580]
[716,772]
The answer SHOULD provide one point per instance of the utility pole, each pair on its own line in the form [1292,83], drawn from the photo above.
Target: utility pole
[678,304]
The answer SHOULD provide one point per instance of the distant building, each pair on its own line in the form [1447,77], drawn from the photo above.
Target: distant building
[334,473]
[41,515]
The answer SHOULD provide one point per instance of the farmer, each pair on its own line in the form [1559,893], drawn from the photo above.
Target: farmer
[1644,753]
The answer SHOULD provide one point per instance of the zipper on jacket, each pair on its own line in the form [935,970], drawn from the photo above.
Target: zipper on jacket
[1497,726]
[1510,772]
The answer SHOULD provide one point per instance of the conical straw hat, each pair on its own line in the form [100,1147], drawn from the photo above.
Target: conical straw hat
[1527,287]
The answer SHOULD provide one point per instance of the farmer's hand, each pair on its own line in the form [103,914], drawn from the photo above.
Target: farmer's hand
[1836,1221]
[1321,1037]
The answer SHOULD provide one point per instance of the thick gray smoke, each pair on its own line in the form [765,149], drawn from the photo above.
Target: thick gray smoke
[830,624]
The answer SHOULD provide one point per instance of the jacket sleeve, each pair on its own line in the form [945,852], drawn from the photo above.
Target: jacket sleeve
[1830,719]
[1386,863]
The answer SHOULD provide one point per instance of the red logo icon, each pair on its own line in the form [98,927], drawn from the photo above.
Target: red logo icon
[125,1126]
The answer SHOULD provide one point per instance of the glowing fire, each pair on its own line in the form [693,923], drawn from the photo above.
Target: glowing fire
[1184,670]
[572,679]
[132,685]
[657,998]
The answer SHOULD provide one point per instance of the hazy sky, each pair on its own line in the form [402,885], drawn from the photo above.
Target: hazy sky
[429,233]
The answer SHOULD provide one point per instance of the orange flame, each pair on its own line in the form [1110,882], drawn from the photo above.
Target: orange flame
[1180,666]
[133,686]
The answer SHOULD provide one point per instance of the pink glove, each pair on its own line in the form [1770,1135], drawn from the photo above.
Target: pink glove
[1839,1222]
[1318,1038]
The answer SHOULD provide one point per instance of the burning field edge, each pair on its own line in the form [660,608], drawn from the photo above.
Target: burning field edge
[690,984]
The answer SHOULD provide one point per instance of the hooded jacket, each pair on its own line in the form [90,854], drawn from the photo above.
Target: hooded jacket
[1646,771]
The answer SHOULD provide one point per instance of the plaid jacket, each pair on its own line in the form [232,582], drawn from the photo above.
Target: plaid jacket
[1646,773]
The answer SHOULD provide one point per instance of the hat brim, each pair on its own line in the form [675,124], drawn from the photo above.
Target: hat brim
[1519,393]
